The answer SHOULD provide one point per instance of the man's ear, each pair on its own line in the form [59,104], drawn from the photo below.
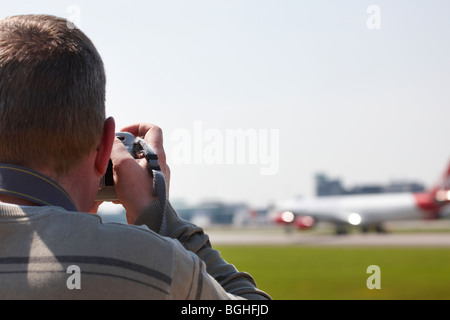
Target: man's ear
[105,146]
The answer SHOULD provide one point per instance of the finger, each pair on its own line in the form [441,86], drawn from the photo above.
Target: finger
[142,128]
[132,181]
[152,135]
[134,129]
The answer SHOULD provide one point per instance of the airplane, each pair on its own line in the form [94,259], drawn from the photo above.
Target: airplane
[363,210]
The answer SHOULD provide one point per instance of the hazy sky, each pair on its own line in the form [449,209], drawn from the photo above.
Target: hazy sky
[330,86]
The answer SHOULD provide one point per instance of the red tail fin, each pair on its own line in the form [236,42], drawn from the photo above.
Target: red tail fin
[441,191]
[431,202]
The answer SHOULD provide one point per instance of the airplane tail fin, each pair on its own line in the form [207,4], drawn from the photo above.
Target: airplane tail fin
[441,191]
[432,201]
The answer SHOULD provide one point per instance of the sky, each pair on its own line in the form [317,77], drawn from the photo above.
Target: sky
[257,96]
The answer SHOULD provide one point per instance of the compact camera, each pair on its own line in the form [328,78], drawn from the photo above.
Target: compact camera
[106,191]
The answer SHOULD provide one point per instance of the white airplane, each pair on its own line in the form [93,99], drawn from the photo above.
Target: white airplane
[365,211]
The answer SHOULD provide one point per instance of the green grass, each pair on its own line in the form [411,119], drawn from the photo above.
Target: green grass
[292,272]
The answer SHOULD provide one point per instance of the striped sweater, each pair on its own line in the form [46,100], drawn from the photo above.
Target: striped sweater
[47,252]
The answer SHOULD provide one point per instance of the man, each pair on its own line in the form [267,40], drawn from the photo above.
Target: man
[54,149]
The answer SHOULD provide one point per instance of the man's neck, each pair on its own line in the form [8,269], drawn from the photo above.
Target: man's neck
[33,187]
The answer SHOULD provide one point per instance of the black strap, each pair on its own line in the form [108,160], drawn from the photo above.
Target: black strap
[159,182]
[31,185]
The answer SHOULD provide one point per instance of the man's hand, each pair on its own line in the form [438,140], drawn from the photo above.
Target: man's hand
[132,180]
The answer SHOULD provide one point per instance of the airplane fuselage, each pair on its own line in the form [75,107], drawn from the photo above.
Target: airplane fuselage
[357,209]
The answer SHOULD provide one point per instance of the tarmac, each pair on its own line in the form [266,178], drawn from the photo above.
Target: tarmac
[420,233]
[392,240]
[412,234]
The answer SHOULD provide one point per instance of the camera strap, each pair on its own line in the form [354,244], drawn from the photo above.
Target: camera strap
[159,182]
[31,185]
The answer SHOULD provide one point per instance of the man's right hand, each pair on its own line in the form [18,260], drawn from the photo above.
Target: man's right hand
[132,180]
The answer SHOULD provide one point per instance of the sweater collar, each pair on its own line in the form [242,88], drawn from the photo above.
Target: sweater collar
[31,185]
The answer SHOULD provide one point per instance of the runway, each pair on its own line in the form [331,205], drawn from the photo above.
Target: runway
[302,239]
[433,233]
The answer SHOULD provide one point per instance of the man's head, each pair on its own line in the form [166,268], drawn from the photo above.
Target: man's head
[52,93]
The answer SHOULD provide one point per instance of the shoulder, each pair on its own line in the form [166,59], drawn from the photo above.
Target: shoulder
[146,263]
[87,227]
